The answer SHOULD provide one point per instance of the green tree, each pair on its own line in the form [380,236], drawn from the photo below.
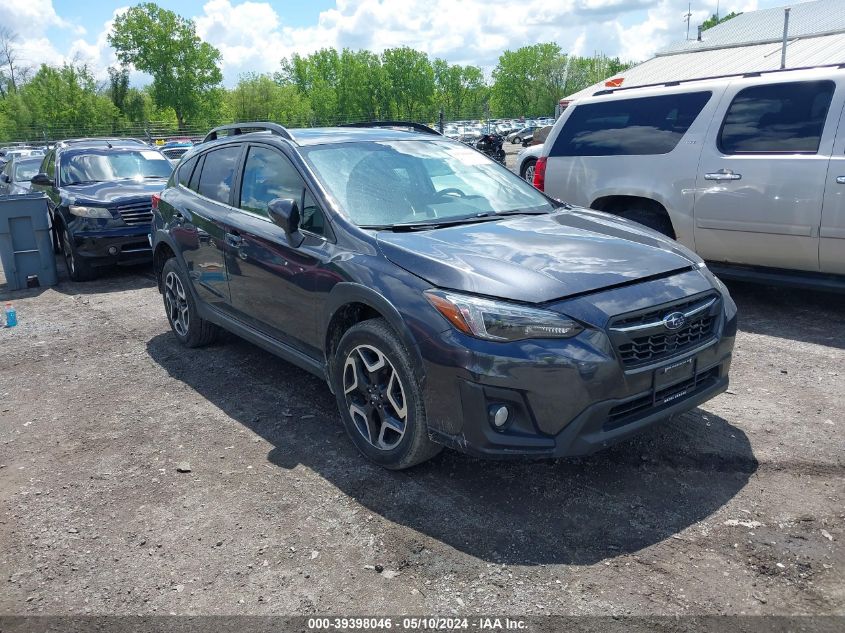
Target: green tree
[361,89]
[459,90]
[528,81]
[185,70]
[316,77]
[410,78]
[714,19]
[64,101]
[583,72]
[118,87]
[259,98]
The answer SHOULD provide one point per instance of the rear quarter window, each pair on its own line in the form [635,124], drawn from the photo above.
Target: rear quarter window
[777,118]
[185,171]
[218,173]
[629,127]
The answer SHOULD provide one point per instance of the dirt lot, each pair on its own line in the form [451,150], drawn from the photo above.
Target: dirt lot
[734,508]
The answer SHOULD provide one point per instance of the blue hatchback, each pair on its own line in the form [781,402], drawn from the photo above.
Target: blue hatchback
[100,197]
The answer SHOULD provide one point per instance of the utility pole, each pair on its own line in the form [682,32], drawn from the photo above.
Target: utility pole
[687,17]
[785,35]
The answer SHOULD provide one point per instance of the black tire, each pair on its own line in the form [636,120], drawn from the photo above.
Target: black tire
[190,330]
[77,268]
[517,140]
[56,236]
[375,396]
[652,218]
[527,171]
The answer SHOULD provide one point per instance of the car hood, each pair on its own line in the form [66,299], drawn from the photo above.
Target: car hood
[537,258]
[108,193]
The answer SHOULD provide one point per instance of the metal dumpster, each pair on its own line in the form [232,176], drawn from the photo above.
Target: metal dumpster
[26,250]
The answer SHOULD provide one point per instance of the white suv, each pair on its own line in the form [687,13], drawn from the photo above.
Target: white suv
[748,171]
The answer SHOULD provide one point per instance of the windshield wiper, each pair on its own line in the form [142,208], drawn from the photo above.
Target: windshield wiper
[485,216]
[426,226]
[83,182]
[523,212]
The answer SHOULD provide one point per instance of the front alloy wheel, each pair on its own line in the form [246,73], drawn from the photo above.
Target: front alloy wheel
[380,396]
[176,303]
[375,397]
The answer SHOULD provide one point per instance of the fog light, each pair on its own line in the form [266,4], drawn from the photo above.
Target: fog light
[112,250]
[499,415]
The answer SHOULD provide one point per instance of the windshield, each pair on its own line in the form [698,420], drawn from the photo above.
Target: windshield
[104,166]
[25,170]
[384,183]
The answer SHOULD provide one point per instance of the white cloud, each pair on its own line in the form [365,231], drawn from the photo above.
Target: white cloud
[253,36]
[665,24]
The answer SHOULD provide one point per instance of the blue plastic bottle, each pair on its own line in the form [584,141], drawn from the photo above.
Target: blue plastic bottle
[11,316]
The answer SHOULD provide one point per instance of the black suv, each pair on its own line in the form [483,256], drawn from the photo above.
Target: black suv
[445,300]
[100,198]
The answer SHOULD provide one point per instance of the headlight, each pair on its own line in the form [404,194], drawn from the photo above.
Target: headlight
[499,321]
[90,212]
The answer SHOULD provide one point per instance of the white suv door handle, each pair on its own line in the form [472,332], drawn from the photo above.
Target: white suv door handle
[840,180]
[723,174]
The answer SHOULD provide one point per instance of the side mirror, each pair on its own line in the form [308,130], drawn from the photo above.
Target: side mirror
[284,212]
[42,179]
[5,178]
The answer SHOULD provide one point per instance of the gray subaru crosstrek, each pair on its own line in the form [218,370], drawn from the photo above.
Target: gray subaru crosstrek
[445,300]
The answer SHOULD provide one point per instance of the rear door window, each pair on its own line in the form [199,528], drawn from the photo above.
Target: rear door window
[218,173]
[777,118]
[629,127]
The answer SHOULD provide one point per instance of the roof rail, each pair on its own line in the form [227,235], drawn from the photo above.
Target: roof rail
[747,73]
[244,128]
[419,127]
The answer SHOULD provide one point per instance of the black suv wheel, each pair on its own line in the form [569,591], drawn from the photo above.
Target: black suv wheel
[380,401]
[77,268]
[189,328]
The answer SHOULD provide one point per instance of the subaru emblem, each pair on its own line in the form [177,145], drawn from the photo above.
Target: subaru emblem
[675,320]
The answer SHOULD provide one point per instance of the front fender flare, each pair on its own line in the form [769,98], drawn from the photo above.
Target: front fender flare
[345,293]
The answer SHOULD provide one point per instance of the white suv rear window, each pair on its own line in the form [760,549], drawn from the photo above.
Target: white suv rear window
[625,127]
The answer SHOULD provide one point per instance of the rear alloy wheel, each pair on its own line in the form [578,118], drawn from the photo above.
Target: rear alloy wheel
[380,399]
[187,325]
[176,304]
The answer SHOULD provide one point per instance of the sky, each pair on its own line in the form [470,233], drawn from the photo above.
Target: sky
[253,35]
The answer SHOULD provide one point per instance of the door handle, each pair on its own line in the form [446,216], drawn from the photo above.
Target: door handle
[840,180]
[722,174]
[234,240]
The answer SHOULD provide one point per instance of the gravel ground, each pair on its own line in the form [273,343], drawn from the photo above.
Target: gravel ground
[736,507]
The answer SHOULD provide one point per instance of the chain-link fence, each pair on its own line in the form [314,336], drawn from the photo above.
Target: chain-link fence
[153,131]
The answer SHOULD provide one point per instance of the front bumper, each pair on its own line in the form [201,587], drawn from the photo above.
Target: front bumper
[566,397]
[594,429]
[125,245]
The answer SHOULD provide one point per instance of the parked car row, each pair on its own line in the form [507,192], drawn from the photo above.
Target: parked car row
[19,151]
[17,173]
